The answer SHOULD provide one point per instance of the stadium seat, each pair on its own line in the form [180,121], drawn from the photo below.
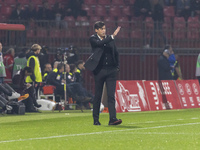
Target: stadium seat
[104,2]
[10,2]
[100,11]
[52,2]
[70,21]
[6,10]
[42,33]
[115,11]
[131,1]
[30,33]
[118,2]
[167,27]
[193,22]
[123,22]
[37,2]
[82,21]
[169,11]
[54,33]
[23,2]
[136,23]
[88,9]
[149,24]
[90,2]
[136,38]
[109,21]
[126,11]
[67,34]
[124,34]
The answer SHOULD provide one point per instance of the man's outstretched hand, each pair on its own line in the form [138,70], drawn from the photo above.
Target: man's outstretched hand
[116,31]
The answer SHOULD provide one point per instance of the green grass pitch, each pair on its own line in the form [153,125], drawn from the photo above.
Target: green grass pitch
[73,130]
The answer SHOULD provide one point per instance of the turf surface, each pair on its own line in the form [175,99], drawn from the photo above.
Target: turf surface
[73,130]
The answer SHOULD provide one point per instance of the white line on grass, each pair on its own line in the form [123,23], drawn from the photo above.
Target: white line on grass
[93,133]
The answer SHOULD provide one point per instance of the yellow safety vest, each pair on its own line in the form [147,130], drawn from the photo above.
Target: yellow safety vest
[37,70]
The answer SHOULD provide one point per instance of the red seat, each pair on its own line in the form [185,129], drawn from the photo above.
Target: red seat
[90,2]
[51,2]
[123,22]
[131,1]
[104,2]
[30,33]
[42,33]
[149,24]
[67,34]
[193,22]
[115,11]
[95,18]
[169,11]
[100,11]
[136,34]
[124,34]
[23,2]
[136,22]
[180,28]
[118,2]
[88,9]
[167,27]
[70,21]
[37,2]
[109,21]
[10,2]
[6,10]
[54,33]
[82,21]
[126,11]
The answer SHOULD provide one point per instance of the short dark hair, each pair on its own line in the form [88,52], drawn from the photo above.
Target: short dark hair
[72,67]
[167,47]
[60,66]
[79,62]
[28,69]
[99,24]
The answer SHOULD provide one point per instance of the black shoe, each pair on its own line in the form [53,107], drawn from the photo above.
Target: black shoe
[97,123]
[115,121]
[37,105]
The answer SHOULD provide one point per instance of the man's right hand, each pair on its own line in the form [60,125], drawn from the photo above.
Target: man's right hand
[116,31]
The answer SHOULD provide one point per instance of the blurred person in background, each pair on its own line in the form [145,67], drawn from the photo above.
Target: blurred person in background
[164,69]
[44,57]
[2,67]
[198,68]
[183,8]
[177,72]
[20,61]
[8,60]
[142,8]
[75,8]
[47,70]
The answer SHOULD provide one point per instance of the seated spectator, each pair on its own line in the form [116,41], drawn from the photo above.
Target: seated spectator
[195,7]
[45,13]
[8,61]
[142,8]
[183,8]
[30,12]
[26,88]
[18,13]
[75,8]
[158,18]
[20,61]
[59,14]
[47,70]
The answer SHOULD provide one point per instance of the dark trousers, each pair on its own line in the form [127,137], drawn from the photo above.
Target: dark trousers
[109,76]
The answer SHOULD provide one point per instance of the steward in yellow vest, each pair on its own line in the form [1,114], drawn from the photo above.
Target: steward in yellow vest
[34,63]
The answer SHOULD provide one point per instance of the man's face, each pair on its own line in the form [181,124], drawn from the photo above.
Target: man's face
[48,68]
[101,31]
[61,70]
[27,74]
[81,66]
[67,68]
[38,51]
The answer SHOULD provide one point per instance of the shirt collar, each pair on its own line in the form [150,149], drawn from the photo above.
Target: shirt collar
[100,37]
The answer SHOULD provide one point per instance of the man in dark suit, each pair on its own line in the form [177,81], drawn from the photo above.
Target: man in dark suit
[104,63]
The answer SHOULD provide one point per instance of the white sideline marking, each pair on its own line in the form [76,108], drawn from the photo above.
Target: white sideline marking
[93,133]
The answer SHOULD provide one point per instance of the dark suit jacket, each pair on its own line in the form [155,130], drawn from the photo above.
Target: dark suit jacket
[164,69]
[98,47]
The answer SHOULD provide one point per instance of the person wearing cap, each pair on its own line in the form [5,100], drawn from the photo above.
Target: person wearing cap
[164,69]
